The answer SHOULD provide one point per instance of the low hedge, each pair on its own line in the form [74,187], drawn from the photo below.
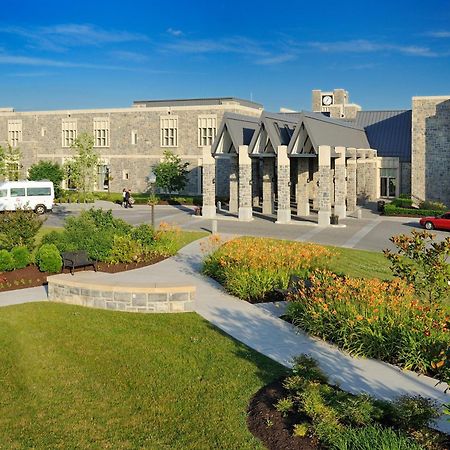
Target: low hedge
[392,210]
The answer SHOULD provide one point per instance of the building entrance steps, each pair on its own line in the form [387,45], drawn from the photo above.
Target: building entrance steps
[259,327]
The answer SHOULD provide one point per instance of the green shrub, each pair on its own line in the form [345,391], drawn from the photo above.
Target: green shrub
[21,256]
[435,206]
[284,405]
[19,228]
[392,210]
[413,412]
[61,240]
[372,438]
[6,261]
[402,202]
[144,234]
[46,170]
[48,258]
[125,250]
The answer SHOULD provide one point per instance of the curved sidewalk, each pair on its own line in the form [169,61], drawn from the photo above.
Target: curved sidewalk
[259,328]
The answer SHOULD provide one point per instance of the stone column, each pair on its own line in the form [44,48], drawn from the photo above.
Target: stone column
[268,175]
[255,182]
[324,185]
[234,188]
[371,175]
[351,179]
[340,187]
[209,187]
[245,184]
[302,187]
[361,176]
[284,188]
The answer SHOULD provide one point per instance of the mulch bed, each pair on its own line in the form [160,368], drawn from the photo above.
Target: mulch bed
[268,425]
[31,276]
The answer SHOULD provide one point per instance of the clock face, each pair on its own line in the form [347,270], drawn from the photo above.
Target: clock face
[327,100]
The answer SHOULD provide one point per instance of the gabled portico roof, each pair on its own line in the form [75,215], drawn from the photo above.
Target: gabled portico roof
[314,129]
[235,130]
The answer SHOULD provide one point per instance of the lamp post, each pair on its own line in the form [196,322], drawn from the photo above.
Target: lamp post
[152,181]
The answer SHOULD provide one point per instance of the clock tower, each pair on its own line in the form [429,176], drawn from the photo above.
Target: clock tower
[334,104]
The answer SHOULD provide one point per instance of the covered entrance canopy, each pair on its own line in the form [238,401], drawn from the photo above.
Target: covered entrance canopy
[303,156]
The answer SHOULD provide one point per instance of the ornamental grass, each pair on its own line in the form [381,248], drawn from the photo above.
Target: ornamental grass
[375,319]
[252,268]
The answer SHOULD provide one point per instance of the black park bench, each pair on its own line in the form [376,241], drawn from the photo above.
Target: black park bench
[295,284]
[73,260]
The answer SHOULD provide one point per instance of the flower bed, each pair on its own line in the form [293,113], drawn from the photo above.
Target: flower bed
[303,412]
[251,268]
[374,319]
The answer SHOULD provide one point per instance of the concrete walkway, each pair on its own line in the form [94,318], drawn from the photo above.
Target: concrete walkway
[259,327]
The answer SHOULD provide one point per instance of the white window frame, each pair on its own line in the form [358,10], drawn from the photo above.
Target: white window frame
[69,131]
[14,132]
[134,137]
[101,132]
[207,129]
[169,131]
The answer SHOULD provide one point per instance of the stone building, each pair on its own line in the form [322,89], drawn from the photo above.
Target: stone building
[129,140]
[431,149]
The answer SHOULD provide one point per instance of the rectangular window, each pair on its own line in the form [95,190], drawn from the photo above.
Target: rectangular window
[102,177]
[388,182]
[17,192]
[207,128]
[101,132]
[125,175]
[69,132]
[134,137]
[38,191]
[14,132]
[3,192]
[169,131]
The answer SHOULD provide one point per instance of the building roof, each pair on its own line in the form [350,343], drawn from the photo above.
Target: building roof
[389,132]
[240,129]
[197,101]
[325,131]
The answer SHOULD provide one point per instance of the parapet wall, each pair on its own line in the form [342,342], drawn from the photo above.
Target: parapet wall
[143,299]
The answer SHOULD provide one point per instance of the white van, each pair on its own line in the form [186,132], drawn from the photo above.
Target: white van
[35,195]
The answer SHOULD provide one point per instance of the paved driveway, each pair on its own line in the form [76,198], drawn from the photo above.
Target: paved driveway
[371,232]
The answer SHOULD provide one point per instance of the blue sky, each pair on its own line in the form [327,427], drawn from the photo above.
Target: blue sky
[58,55]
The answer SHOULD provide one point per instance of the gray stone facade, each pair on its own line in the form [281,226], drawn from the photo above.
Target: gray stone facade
[430,166]
[129,163]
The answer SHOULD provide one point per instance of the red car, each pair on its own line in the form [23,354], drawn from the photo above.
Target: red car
[438,222]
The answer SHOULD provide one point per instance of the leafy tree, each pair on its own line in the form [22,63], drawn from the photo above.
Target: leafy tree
[46,170]
[422,262]
[10,158]
[82,167]
[171,173]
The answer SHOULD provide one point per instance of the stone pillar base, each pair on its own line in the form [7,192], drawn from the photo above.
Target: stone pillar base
[340,210]
[245,213]
[302,209]
[283,216]
[324,218]
[209,212]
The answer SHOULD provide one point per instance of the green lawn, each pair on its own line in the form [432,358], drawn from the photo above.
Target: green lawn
[72,377]
[360,263]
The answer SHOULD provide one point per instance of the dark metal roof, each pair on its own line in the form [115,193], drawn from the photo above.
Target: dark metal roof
[198,101]
[389,132]
[240,128]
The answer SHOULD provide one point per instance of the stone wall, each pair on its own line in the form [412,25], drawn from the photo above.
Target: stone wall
[431,148]
[131,299]
[42,139]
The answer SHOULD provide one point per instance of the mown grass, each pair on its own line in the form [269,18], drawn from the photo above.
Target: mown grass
[73,377]
[359,263]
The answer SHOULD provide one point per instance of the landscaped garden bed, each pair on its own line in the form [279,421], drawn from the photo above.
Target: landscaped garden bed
[403,321]
[303,412]
[403,206]
[28,256]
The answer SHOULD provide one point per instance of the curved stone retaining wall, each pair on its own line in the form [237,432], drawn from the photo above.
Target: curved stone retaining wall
[145,299]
